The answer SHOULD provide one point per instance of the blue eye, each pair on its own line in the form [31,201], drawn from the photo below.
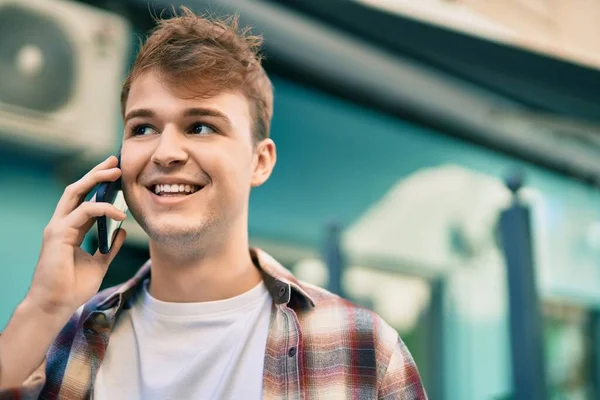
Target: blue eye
[201,129]
[143,130]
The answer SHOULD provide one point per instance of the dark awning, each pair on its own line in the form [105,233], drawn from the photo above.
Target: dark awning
[537,80]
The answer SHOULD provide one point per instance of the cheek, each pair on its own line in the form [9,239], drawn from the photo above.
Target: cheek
[231,169]
[134,158]
[128,173]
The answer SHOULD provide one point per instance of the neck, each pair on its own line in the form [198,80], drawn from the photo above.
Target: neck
[209,273]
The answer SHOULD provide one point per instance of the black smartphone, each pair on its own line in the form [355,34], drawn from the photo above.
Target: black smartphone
[109,192]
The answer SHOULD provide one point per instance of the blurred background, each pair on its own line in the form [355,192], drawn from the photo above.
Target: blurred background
[439,162]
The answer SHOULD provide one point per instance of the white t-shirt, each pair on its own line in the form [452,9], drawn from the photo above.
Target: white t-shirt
[209,350]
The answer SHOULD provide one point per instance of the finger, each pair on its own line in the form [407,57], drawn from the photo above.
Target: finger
[75,193]
[87,226]
[81,216]
[84,229]
[106,259]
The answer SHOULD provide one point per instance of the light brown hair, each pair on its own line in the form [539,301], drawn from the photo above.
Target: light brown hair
[201,56]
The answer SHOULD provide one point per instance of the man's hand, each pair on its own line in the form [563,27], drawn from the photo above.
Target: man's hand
[66,276]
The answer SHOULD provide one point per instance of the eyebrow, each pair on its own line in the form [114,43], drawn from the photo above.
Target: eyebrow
[189,112]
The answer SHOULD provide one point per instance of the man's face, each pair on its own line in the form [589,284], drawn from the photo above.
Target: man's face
[188,164]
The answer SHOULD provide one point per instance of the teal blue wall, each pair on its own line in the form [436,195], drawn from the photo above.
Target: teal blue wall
[336,158]
[29,194]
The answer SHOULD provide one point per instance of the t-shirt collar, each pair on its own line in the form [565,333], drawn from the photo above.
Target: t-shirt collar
[280,283]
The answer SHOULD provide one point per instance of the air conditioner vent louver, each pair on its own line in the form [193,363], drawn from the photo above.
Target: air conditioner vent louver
[37,67]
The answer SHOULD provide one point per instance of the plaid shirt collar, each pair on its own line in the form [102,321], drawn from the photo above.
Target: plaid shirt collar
[281,284]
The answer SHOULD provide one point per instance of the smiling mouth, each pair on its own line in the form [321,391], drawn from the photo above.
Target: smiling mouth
[174,189]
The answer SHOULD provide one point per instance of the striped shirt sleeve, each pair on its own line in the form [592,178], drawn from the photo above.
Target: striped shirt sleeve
[31,387]
[401,380]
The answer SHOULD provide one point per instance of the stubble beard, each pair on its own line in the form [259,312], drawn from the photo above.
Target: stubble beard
[186,238]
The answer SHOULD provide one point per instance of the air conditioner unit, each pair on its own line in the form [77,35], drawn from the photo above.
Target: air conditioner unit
[62,64]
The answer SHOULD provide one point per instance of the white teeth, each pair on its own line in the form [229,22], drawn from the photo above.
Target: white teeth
[175,188]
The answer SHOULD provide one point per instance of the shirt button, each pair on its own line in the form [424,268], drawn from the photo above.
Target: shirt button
[292,352]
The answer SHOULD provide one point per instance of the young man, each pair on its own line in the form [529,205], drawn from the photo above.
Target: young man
[205,318]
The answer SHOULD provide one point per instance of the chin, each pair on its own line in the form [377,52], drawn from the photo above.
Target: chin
[176,229]
[175,236]
[180,233]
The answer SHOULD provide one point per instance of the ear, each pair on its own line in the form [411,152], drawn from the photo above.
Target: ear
[265,156]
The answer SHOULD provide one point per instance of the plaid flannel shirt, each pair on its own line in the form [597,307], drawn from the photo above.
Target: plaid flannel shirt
[319,346]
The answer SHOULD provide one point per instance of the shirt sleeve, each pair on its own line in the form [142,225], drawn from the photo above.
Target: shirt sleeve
[31,387]
[402,380]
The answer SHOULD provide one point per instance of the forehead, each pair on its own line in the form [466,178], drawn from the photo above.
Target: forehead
[148,91]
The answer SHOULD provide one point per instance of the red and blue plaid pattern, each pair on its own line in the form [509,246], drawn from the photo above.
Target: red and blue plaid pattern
[319,346]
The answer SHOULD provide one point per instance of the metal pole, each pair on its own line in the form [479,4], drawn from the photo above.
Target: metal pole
[436,349]
[526,336]
[593,336]
[334,258]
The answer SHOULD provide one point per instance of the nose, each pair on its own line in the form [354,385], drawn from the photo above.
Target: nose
[170,149]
